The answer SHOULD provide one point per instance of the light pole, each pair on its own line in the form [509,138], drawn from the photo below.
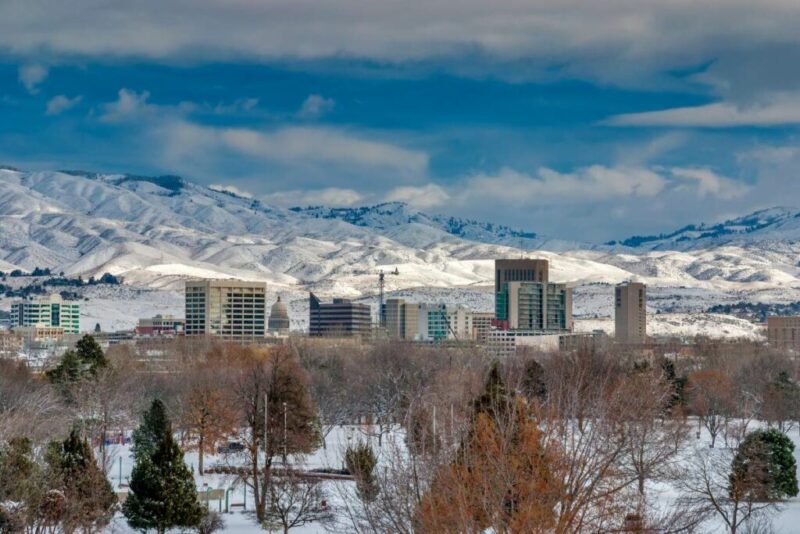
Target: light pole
[284,433]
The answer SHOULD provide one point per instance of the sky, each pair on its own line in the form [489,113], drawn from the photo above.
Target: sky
[578,120]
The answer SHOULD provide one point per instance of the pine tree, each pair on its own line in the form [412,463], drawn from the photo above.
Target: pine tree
[765,460]
[90,499]
[155,425]
[495,400]
[163,493]
[91,354]
[361,461]
[533,384]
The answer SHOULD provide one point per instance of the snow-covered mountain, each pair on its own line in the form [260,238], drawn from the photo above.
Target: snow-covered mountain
[400,221]
[157,231]
[770,225]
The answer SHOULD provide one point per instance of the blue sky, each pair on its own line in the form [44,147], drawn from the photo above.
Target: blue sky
[579,121]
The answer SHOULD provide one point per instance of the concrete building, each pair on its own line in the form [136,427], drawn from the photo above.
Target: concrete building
[279,318]
[534,306]
[230,309]
[630,313]
[430,322]
[52,311]
[338,318]
[160,325]
[481,325]
[505,343]
[520,270]
[784,332]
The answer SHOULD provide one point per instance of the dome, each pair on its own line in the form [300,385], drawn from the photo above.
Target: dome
[278,316]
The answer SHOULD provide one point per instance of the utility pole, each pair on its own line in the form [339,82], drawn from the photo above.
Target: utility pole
[434,429]
[266,424]
[284,434]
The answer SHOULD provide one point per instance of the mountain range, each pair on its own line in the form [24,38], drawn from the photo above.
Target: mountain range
[157,231]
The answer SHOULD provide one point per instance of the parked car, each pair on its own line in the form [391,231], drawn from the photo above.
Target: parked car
[230,447]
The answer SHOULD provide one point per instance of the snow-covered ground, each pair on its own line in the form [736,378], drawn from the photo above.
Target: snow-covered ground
[785,519]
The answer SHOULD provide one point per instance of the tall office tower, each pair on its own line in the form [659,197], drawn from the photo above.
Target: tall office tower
[534,306]
[520,270]
[231,309]
[52,311]
[339,318]
[784,332]
[630,313]
[395,317]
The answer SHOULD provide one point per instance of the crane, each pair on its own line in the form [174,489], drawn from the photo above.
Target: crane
[381,283]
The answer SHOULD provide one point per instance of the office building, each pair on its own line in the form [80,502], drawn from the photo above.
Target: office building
[279,318]
[52,311]
[784,332]
[338,318]
[481,325]
[430,322]
[630,313]
[160,325]
[534,306]
[230,309]
[520,270]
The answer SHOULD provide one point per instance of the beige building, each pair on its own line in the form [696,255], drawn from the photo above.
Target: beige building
[481,325]
[784,332]
[231,309]
[520,270]
[630,313]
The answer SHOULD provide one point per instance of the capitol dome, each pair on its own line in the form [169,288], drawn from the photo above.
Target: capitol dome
[278,317]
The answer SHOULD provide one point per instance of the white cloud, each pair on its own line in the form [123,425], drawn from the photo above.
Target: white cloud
[776,109]
[622,40]
[61,103]
[326,145]
[316,106]
[329,196]
[423,197]
[706,182]
[232,189]
[31,76]
[548,186]
[129,105]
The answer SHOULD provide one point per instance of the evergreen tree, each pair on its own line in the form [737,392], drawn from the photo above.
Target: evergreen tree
[163,493]
[19,471]
[89,497]
[83,362]
[495,399]
[361,461]
[533,384]
[91,354]
[765,459]
[155,425]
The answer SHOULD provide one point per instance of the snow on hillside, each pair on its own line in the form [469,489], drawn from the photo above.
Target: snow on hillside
[156,232]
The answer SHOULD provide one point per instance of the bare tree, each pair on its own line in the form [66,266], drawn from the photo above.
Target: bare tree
[709,482]
[295,501]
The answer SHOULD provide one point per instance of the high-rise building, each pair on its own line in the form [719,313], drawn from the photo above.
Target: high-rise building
[520,270]
[630,313]
[338,318]
[534,306]
[231,309]
[279,318]
[52,311]
[784,332]
[429,322]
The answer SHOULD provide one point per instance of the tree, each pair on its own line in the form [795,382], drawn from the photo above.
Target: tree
[504,481]
[276,414]
[766,459]
[708,482]
[533,384]
[361,461]
[711,399]
[155,425]
[163,493]
[206,413]
[88,496]
[781,402]
[294,502]
[83,362]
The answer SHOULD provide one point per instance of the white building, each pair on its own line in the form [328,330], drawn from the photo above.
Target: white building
[52,311]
